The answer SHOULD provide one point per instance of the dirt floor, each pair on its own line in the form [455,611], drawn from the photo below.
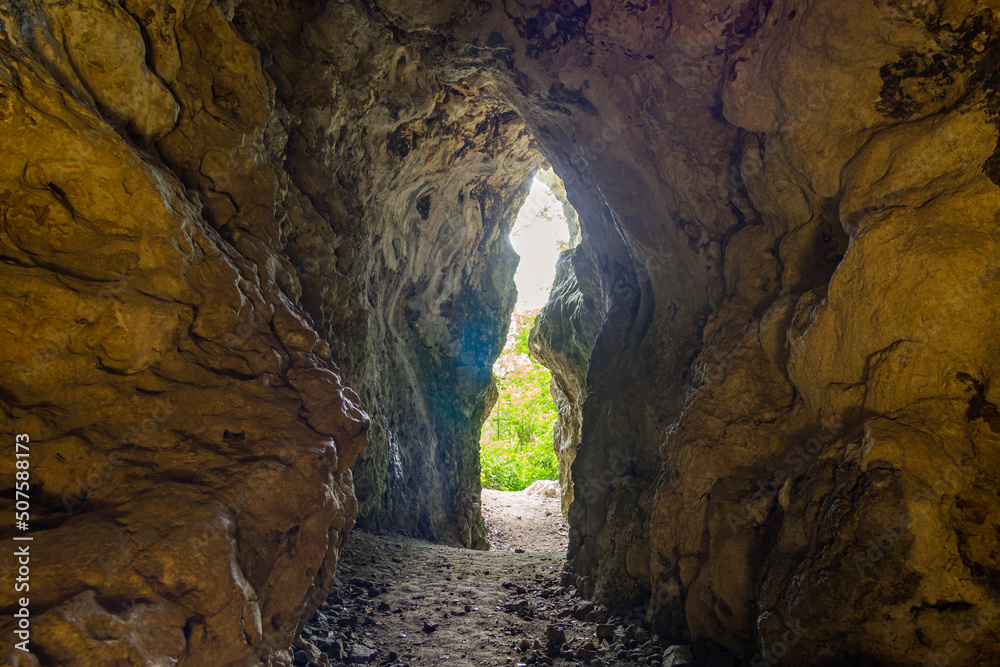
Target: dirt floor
[516,520]
[403,602]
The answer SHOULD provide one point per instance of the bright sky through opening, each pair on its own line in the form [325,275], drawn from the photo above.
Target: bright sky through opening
[540,233]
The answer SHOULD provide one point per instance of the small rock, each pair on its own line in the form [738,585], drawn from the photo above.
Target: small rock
[430,627]
[336,650]
[581,610]
[678,656]
[555,635]
[605,631]
[595,617]
[361,654]
[301,658]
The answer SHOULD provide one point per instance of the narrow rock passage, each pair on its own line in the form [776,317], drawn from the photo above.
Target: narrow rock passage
[400,601]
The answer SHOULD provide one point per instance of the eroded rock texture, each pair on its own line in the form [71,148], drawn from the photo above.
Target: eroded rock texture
[190,436]
[789,213]
[563,335]
[561,339]
[407,269]
[790,407]
[213,214]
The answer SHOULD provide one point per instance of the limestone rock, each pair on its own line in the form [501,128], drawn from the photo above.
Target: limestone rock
[774,348]
[410,185]
[790,208]
[190,435]
[561,339]
[543,487]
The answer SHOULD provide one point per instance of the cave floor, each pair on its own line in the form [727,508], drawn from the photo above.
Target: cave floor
[401,601]
[517,520]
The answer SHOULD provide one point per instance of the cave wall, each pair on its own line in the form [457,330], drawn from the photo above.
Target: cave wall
[191,438]
[561,339]
[792,208]
[217,218]
[407,268]
[563,335]
[217,215]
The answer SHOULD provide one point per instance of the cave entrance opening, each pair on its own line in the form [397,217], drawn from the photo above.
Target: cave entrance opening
[519,470]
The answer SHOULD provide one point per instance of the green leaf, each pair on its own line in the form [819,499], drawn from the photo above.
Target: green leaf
[516,447]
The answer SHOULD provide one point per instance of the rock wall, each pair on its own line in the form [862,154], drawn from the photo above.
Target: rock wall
[561,339]
[245,208]
[790,405]
[563,335]
[407,269]
[212,213]
[190,437]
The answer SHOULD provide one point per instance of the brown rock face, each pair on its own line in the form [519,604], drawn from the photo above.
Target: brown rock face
[210,217]
[412,183]
[190,437]
[776,344]
[789,406]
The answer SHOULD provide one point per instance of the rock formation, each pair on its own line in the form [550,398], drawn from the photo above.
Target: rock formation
[191,439]
[562,338]
[412,183]
[217,217]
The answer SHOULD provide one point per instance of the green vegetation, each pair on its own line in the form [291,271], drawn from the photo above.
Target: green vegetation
[516,444]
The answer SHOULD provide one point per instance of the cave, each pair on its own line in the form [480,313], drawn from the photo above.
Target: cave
[255,274]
